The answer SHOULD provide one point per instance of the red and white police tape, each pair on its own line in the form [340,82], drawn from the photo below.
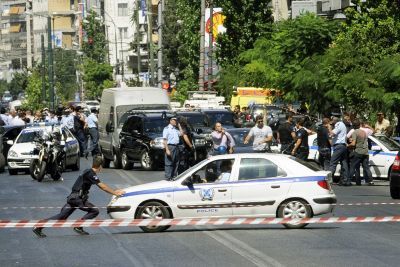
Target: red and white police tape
[188,221]
[333,204]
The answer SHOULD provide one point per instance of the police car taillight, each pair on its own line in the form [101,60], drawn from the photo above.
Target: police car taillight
[324,184]
[396,164]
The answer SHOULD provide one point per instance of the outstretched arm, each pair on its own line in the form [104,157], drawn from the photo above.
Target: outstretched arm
[106,188]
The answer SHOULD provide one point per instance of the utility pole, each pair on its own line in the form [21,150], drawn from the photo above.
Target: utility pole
[160,44]
[210,47]
[139,59]
[43,69]
[28,37]
[122,60]
[150,40]
[202,38]
[50,51]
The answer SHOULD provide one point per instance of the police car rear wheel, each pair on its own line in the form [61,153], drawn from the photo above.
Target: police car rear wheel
[156,211]
[295,209]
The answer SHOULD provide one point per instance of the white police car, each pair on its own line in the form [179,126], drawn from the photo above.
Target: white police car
[21,154]
[259,184]
[382,154]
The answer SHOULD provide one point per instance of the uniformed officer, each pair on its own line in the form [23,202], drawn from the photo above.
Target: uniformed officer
[301,148]
[171,135]
[93,133]
[78,199]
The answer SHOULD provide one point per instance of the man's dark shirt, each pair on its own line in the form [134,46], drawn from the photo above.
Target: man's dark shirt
[85,181]
[303,135]
[285,131]
[323,137]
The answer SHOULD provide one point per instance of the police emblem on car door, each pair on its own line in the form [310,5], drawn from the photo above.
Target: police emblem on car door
[208,196]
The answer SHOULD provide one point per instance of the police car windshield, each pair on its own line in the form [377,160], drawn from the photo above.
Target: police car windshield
[226,118]
[155,125]
[187,171]
[28,136]
[388,143]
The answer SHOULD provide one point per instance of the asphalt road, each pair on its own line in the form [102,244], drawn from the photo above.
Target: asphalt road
[362,244]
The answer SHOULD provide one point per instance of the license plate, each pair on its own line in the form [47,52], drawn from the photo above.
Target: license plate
[27,161]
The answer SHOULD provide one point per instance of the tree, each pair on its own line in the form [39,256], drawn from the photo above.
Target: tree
[95,40]
[18,83]
[65,73]
[33,91]
[97,76]
[246,21]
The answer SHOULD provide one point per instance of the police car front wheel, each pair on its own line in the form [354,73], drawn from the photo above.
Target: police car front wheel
[156,211]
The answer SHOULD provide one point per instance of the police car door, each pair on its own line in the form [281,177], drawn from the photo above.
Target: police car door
[259,188]
[380,157]
[208,196]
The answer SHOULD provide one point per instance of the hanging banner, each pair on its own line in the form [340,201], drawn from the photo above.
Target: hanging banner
[218,25]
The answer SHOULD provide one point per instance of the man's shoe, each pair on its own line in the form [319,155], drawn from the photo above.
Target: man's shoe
[80,231]
[38,232]
[371,183]
[86,155]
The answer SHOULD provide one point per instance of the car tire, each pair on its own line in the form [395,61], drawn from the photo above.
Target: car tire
[395,192]
[77,165]
[153,210]
[13,171]
[146,161]
[295,209]
[117,160]
[125,163]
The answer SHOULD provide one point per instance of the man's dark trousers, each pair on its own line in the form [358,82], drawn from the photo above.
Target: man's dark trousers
[72,205]
[94,136]
[172,162]
[340,155]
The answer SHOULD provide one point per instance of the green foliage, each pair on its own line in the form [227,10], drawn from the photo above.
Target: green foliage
[65,73]
[246,21]
[95,43]
[33,91]
[97,76]
[18,83]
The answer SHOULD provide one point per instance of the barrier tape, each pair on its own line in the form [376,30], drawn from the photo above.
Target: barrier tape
[188,221]
[334,204]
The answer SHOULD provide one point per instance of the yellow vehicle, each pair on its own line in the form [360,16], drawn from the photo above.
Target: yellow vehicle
[244,96]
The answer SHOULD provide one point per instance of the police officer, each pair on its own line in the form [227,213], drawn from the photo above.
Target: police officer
[301,148]
[185,145]
[171,135]
[78,199]
[93,132]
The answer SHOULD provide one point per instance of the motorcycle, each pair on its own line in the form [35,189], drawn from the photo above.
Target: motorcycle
[51,157]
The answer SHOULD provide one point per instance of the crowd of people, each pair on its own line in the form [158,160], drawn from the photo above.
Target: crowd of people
[83,127]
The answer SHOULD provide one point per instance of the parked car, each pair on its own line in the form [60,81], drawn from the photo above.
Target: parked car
[223,116]
[258,109]
[92,104]
[256,184]
[115,107]
[21,153]
[382,154]
[141,141]
[395,178]
[9,133]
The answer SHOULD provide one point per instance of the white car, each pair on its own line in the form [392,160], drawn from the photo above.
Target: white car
[382,153]
[259,184]
[92,104]
[21,153]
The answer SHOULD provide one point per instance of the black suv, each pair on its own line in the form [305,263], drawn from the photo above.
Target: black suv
[199,121]
[141,141]
[224,116]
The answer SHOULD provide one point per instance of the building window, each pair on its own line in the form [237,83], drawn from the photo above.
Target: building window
[122,9]
[123,33]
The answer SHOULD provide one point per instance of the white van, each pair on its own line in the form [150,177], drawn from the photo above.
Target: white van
[115,107]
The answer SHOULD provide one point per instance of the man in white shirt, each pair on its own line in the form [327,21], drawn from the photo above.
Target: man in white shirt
[15,120]
[262,136]
[381,124]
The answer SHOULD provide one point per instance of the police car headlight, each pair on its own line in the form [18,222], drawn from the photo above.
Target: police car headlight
[157,143]
[12,154]
[200,142]
[113,200]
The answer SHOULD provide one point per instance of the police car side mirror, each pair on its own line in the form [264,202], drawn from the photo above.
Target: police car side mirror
[10,142]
